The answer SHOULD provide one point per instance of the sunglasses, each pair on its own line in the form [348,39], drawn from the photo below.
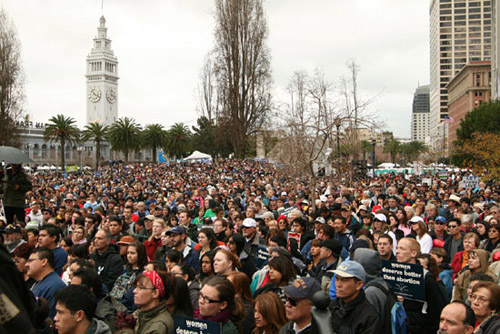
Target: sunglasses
[437,222]
[292,301]
[452,226]
[413,223]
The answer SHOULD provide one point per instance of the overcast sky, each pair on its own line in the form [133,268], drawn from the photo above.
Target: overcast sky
[161,44]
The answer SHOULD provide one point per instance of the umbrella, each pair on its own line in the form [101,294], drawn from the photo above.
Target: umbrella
[11,155]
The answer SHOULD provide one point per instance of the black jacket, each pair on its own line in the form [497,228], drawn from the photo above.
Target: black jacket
[447,245]
[109,265]
[355,317]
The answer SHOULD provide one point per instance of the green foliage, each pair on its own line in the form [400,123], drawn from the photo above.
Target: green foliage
[485,118]
[412,150]
[125,136]
[179,140]
[61,129]
[203,139]
[98,133]
[154,136]
[393,147]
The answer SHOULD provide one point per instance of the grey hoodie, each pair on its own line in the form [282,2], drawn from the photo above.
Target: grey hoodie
[370,260]
[98,327]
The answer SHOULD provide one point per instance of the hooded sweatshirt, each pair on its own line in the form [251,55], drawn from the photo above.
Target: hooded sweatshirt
[462,283]
[98,327]
[109,265]
[370,260]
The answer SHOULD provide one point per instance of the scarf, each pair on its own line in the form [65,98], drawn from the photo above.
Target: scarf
[222,316]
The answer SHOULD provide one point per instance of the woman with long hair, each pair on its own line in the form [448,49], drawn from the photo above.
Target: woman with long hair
[241,283]
[445,272]
[218,304]
[478,263]
[482,231]
[281,273]
[269,313]
[151,291]
[225,262]
[154,241]
[178,304]
[493,240]
[185,272]
[403,221]
[136,260]
[207,241]
[239,247]
[206,266]
[422,234]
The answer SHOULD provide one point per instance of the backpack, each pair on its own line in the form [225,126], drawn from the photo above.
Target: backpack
[443,295]
[396,320]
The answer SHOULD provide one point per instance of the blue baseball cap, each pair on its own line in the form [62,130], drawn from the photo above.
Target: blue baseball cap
[348,269]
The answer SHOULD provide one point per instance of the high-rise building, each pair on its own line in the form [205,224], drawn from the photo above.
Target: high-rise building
[102,79]
[495,50]
[460,32]
[420,114]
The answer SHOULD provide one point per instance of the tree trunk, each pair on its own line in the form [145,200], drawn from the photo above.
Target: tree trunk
[154,154]
[63,154]
[126,156]
[97,153]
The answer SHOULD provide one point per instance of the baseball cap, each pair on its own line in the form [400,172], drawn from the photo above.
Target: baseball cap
[323,198]
[416,219]
[320,220]
[362,207]
[302,287]
[440,219]
[348,269]
[12,229]
[249,222]
[176,230]
[126,240]
[381,217]
[150,217]
[333,245]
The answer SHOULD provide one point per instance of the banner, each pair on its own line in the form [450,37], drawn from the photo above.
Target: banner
[427,181]
[293,235]
[406,279]
[184,325]
[287,211]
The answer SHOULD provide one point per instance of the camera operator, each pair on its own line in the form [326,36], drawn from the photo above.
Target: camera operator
[15,186]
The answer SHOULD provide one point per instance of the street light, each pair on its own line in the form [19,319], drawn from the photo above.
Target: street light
[374,142]
[337,122]
[80,150]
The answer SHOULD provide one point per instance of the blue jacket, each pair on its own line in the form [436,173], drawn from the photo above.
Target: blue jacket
[46,289]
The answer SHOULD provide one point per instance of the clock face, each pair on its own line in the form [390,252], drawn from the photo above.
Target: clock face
[111,95]
[95,95]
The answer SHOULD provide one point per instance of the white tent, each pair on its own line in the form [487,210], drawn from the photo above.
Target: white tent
[387,165]
[197,155]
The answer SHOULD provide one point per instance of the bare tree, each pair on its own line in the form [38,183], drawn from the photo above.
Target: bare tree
[242,68]
[209,103]
[11,80]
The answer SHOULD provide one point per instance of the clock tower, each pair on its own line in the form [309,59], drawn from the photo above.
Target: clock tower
[102,79]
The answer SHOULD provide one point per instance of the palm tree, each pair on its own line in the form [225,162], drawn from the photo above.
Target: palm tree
[393,147]
[62,129]
[366,147]
[179,138]
[154,136]
[98,133]
[125,135]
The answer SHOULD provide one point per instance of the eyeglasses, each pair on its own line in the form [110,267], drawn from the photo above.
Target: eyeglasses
[492,231]
[205,299]
[413,223]
[452,226]
[292,301]
[437,222]
[480,299]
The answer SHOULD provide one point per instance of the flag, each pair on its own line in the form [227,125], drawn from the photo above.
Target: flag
[449,119]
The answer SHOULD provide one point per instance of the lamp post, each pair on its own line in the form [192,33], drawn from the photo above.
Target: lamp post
[337,122]
[80,150]
[374,142]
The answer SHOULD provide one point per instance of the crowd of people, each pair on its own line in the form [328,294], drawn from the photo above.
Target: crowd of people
[128,248]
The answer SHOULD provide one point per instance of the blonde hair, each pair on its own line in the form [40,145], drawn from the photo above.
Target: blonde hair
[163,226]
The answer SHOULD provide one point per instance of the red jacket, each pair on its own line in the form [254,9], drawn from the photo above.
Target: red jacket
[151,247]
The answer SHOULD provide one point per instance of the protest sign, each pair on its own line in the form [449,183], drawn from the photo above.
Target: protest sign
[470,182]
[293,235]
[288,210]
[185,325]
[406,279]
[427,181]
[261,257]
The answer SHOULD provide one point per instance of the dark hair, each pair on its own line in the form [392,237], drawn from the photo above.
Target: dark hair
[210,236]
[481,277]
[239,242]
[285,267]
[82,263]
[142,257]
[183,305]
[300,221]
[431,264]
[226,294]
[386,236]
[90,279]
[76,298]
[115,219]
[328,230]
[210,255]
[93,217]
[24,250]
[44,253]
[174,255]
[470,317]
[68,241]
[343,221]
[456,220]
[52,230]
[168,282]
[186,270]
[158,266]
[80,250]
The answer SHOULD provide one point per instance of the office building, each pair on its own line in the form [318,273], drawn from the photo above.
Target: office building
[420,115]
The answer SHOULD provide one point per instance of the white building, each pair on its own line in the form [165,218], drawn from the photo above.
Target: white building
[420,114]
[102,79]
[460,32]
